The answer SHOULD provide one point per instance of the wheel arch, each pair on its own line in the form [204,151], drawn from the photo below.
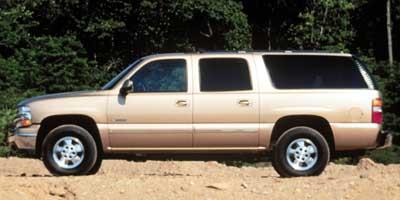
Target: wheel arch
[313,121]
[51,122]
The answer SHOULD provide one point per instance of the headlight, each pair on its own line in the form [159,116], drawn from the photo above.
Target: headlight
[24,117]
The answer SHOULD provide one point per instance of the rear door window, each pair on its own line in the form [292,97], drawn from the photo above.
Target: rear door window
[314,72]
[224,74]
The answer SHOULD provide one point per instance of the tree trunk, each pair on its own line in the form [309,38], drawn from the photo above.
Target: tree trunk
[321,31]
[389,32]
[269,35]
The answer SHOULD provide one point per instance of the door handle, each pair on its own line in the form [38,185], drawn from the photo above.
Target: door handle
[181,103]
[244,102]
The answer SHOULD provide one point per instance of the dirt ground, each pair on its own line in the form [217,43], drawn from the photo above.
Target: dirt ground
[153,179]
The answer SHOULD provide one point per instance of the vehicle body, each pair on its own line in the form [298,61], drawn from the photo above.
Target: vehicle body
[215,102]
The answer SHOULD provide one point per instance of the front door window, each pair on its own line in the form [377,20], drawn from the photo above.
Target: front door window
[161,76]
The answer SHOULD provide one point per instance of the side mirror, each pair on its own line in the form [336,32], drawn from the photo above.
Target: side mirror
[126,87]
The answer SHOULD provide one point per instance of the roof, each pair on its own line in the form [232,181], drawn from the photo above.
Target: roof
[282,52]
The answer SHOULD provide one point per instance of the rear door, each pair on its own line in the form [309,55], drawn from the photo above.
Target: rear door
[225,101]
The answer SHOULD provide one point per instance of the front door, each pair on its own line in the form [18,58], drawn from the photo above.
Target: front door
[226,104]
[158,112]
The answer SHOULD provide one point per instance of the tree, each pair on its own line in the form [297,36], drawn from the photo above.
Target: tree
[31,65]
[270,21]
[116,31]
[389,31]
[185,24]
[324,24]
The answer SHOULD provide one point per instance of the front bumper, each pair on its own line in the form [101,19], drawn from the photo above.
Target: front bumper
[24,138]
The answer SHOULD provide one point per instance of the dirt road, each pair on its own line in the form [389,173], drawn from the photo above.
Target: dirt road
[122,179]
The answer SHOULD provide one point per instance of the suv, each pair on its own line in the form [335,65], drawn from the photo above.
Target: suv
[301,106]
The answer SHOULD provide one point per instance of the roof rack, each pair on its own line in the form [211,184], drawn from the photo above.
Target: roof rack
[295,51]
[203,51]
[200,51]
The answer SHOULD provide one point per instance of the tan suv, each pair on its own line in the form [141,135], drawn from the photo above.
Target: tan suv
[302,106]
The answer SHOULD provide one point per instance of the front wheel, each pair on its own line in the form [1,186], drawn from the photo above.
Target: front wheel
[300,151]
[69,150]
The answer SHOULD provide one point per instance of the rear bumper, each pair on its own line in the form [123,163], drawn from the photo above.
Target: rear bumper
[24,139]
[358,136]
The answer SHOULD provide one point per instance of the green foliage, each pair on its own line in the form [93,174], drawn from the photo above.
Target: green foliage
[14,24]
[185,24]
[346,161]
[386,156]
[4,151]
[32,65]
[118,29]
[6,116]
[225,16]
[324,24]
[54,64]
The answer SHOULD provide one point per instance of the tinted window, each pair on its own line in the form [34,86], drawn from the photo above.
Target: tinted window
[313,72]
[224,74]
[121,75]
[161,76]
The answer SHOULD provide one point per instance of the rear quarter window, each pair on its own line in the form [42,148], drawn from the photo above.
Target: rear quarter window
[314,72]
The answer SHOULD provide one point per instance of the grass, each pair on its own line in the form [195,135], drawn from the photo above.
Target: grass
[4,151]
[386,156]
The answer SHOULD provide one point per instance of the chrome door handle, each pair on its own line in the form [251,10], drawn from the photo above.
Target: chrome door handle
[181,103]
[244,102]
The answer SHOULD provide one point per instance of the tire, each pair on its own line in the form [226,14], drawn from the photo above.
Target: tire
[96,166]
[300,151]
[74,144]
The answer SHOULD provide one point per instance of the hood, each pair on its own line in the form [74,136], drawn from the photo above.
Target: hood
[62,95]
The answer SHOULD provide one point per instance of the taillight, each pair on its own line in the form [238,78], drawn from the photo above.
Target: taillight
[377,111]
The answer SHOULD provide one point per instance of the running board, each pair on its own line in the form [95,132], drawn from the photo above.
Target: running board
[186,149]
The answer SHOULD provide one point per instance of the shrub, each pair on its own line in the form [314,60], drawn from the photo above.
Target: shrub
[6,116]
[386,156]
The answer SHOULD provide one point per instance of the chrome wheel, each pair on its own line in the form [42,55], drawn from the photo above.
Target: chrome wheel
[302,154]
[68,152]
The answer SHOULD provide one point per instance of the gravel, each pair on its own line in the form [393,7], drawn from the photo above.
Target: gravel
[122,179]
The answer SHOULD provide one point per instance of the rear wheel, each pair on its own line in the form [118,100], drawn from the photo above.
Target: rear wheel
[70,150]
[300,151]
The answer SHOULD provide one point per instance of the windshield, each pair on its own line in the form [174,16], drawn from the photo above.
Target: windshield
[122,74]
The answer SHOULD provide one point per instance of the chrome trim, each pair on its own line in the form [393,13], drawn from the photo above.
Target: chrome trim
[23,109]
[194,149]
[27,134]
[302,154]
[226,128]
[68,152]
[24,138]
[149,128]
